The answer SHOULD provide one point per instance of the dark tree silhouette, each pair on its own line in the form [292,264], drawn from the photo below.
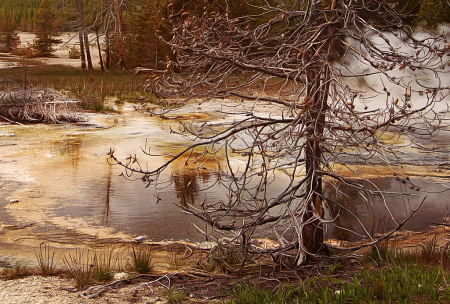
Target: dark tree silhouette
[45,31]
[9,39]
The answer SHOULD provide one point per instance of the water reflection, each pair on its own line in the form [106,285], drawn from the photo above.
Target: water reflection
[186,186]
[67,146]
[188,179]
[79,190]
[107,197]
[380,213]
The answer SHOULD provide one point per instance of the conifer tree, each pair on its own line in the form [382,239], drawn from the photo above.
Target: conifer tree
[46,31]
[9,39]
[147,50]
[434,12]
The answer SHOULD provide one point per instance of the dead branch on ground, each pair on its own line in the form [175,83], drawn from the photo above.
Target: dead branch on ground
[38,105]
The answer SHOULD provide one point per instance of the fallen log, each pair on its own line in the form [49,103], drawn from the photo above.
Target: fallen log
[38,105]
[11,121]
[140,70]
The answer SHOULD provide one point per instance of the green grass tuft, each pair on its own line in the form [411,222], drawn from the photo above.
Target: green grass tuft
[174,297]
[80,266]
[141,260]
[105,262]
[46,260]
[397,284]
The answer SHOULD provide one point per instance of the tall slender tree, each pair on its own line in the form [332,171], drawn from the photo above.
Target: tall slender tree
[118,15]
[80,12]
[9,39]
[107,49]
[102,66]
[88,51]
[45,31]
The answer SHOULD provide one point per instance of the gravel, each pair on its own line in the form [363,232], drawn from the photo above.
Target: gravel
[56,290]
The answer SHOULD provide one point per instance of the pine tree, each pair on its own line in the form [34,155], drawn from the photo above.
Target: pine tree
[46,31]
[9,39]
[434,12]
[146,49]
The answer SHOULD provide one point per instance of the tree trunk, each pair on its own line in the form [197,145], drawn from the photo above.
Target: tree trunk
[156,52]
[80,8]
[88,51]
[82,56]
[317,93]
[99,51]
[107,51]
[318,86]
[122,63]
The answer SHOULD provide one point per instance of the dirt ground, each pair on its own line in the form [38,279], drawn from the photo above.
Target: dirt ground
[198,284]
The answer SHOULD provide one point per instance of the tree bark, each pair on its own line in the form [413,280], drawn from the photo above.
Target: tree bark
[156,51]
[317,89]
[80,8]
[99,51]
[82,56]
[88,51]
[107,50]
[312,234]
[122,63]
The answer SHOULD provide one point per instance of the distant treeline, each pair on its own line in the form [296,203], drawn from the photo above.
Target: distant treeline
[21,11]
[24,12]
[131,30]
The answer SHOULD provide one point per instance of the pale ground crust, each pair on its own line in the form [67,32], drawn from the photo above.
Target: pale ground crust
[61,55]
[56,290]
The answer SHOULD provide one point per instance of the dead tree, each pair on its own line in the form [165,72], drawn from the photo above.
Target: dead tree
[343,74]
[118,16]
[37,105]
[81,25]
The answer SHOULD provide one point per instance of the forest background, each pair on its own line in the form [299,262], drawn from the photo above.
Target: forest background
[130,31]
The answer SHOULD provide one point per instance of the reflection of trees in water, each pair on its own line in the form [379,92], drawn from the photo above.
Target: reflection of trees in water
[369,208]
[68,147]
[346,196]
[189,178]
[105,218]
[188,183]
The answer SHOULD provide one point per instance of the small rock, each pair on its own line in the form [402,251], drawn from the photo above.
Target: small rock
[140,238]
[13,201]
[157,299]
[121,276]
